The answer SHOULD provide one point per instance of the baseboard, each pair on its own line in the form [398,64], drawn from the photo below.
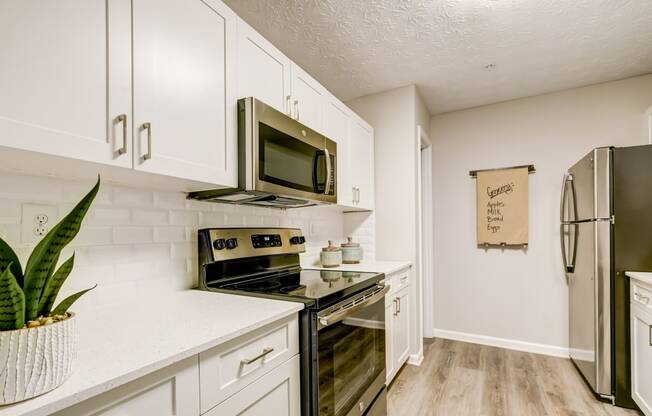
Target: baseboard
[416,359]
[511,344]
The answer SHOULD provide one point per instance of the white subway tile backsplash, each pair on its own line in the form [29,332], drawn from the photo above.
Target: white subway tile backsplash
[137,238]
[90,235]
[187,218]
[130,197]
[211,219]
[109,216]
[169,234]
[9,211]
[150,216]
[133,235]
[175,200]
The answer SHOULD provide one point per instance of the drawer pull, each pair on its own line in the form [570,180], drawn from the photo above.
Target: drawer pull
[641,298]
[650,336]
[258,357]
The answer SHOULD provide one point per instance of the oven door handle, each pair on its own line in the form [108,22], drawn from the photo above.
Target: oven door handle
[341,314]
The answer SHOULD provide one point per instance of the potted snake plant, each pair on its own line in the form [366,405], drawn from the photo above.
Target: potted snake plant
[38,339]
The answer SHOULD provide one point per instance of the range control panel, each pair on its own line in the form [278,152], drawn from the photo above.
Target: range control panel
[234,243]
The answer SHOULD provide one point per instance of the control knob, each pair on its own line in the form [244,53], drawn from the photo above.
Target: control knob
[231,243]
[218,244]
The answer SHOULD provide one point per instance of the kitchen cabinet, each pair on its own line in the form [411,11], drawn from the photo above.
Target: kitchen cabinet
[170,391]
[337,121]
[275,393]
[71,94]
[361,163]
[308,100]
[66,78]
[397,322]
[184,89]
[263,70]
[641,345]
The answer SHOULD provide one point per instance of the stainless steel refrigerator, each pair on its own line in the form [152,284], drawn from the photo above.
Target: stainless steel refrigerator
[606,229]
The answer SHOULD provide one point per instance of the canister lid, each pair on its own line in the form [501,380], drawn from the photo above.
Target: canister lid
[350,243]
[330,247]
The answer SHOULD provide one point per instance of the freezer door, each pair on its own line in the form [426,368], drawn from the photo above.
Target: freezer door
[590,186]
[589,307]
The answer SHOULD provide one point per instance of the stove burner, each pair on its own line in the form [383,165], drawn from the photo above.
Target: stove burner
[291,289]
[260,285]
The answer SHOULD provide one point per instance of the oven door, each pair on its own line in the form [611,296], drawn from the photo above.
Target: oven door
[291,159]
[351,354]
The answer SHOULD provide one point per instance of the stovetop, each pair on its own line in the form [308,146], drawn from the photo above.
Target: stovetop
[315,288]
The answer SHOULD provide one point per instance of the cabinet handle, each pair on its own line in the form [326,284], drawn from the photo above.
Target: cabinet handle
[266,351]
[288,106]
[358,198]
[395,307]
[122,118]
[148,127]
[650,335]
[641,298]
[296,110]
[398,302]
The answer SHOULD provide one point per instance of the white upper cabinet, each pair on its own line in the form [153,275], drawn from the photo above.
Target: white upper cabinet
[337,121]
[361,164]
[263,71]
[309,99]
[184,89]
[61,91]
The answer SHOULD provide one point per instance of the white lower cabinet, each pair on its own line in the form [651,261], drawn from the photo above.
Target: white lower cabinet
[641,349]
[397,322]
[172,391]
[276,393]
[255,374]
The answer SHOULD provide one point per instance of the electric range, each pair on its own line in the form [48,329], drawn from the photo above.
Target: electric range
[342,327]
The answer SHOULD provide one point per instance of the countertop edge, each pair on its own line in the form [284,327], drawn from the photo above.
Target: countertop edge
[90,392]
[645,277]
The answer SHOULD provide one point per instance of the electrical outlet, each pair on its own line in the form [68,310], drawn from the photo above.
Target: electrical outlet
[37,220]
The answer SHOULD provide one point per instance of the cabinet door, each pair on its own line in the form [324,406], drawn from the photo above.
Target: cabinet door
[263,71]
[172,391]
[337,120]
[309,99]
[402,328]
[641,344]
[184,89]
[276,393]
[390,310]
[62,89]
[361,166]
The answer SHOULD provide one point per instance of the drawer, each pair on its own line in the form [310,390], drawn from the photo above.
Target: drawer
[400,280]
[641,294]
[275,393]
[229,367]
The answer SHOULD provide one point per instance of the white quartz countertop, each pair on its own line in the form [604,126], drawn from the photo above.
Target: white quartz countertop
[645,277]
[387,267]
[125,342]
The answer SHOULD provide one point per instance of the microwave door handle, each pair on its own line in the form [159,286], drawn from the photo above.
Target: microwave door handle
[329,172]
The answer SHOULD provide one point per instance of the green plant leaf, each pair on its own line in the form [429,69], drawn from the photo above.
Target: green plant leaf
[53,285]
[41,263]
[67,302]
[12,302]
[9,258]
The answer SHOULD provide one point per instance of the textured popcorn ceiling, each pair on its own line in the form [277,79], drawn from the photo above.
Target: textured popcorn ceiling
[358,47]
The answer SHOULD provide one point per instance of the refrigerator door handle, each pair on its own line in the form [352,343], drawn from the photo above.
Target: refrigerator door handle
[568,178]
[565,254]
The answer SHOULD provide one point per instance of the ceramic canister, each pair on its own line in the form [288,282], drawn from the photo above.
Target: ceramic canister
[330,256]
[351,252]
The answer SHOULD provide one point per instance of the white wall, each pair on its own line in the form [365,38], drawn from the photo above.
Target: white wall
[516,295]
[394,116]
[137,240]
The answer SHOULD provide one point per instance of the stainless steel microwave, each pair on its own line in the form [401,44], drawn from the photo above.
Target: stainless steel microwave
[281,162]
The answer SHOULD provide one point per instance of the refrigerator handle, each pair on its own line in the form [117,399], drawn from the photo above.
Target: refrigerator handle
[568,178]
[569,266]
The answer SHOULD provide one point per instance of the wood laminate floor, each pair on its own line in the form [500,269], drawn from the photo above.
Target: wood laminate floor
[462,379]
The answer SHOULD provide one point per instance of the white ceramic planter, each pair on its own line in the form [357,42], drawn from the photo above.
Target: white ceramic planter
[34,361]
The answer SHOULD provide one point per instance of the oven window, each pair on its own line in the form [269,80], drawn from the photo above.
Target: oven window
[351,358]
[287,161]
